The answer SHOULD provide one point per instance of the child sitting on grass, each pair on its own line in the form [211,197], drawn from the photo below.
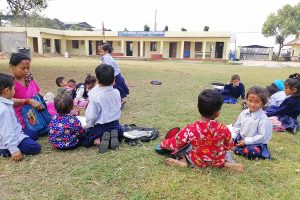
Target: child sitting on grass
[65,129]
[63,86]
[233,90]
[207,139]
[255,128]
[104,111]
[276,92]
[13,141]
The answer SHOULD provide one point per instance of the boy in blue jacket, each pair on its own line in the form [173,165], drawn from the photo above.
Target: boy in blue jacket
[234,89]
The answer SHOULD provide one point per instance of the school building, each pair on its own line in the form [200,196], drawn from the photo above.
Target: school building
[155,45]
[295,44]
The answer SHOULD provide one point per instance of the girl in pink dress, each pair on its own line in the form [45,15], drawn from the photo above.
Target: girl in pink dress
[25,88]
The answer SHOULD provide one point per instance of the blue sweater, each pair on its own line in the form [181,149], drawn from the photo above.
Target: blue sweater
[235,92]
[290,106]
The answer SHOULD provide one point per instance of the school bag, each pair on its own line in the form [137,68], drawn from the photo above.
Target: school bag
[85,94]
[134,134]
[36,120]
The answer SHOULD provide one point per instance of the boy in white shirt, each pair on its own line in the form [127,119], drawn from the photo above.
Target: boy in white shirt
[104,111]
[13,141]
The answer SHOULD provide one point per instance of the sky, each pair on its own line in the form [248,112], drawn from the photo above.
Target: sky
[240,17]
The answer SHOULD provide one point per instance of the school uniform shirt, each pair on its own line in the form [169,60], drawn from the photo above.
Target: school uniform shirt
[277,98]
[255,127]
[11,134]
[234,91]
[209,140]
[65,131]
[108,59]
[104,106]
[290,107]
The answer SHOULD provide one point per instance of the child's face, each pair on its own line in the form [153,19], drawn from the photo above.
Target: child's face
[8,93]
[72,85]
[289,90]
[101,52]
[90,86]
[235,82]
[21,70]
[64,83]
[254,103]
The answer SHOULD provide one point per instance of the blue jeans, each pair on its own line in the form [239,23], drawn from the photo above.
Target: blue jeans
[28,147]
[32,134]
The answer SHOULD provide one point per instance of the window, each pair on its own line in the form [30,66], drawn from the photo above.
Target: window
[153,46]
[75,44]
[47,42]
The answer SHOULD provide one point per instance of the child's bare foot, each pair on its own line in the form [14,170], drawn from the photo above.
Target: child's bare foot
[178,163]
[97,142]
[234,166]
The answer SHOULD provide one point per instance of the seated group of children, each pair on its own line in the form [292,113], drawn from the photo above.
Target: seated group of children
[207,142]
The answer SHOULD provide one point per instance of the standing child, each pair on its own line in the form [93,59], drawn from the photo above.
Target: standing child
[13,141]
[65,129]
[105,51]
[104,111]
[289,109]
[207,139]
[233,90]
[255,127]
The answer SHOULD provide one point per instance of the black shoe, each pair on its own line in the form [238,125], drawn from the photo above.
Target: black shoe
[103,148]
[114,141]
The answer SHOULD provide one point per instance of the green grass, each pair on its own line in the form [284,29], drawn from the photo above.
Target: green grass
[138,172]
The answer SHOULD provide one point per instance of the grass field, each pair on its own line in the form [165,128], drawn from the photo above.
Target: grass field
[138,172]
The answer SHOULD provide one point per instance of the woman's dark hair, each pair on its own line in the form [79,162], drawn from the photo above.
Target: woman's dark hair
[105,74]
[106,47]
[209,102]
[272,89]
[294,82]
[6,81]
[90,79]
[260,92]
[63,103]
[17,58]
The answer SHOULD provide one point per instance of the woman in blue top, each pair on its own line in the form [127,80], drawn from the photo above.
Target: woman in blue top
[105,51]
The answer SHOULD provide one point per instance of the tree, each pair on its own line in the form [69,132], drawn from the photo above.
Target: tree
[282,24]
[183,29]
[146,27]
[166,28]
[206,28]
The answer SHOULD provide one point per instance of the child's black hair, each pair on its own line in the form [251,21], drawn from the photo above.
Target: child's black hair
[106,47]
[262,93]
[59,80]
[235,77]
[209,103]
[17,58]
[63,103]
[6,81]
[272,89]
[294,82]
[72,81]
[90,79]
[105,74]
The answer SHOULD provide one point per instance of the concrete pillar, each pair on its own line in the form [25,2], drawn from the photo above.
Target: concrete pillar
[238,52]
[63,46]
[192,53]
[213,50]
[141,48]
[52,43]
[86,47]
[203,50]
[181,50]
[161,51]
[123,47]
[94,48]
[40,45]
[226,50]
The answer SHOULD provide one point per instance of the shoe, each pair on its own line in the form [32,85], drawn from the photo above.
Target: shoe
[103,147]
[114,141]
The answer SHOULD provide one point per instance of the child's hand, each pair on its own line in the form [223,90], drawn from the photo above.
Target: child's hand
[37,105]
[16,156]
[241,143]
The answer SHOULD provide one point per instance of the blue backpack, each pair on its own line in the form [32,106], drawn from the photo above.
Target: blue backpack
[36,120]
